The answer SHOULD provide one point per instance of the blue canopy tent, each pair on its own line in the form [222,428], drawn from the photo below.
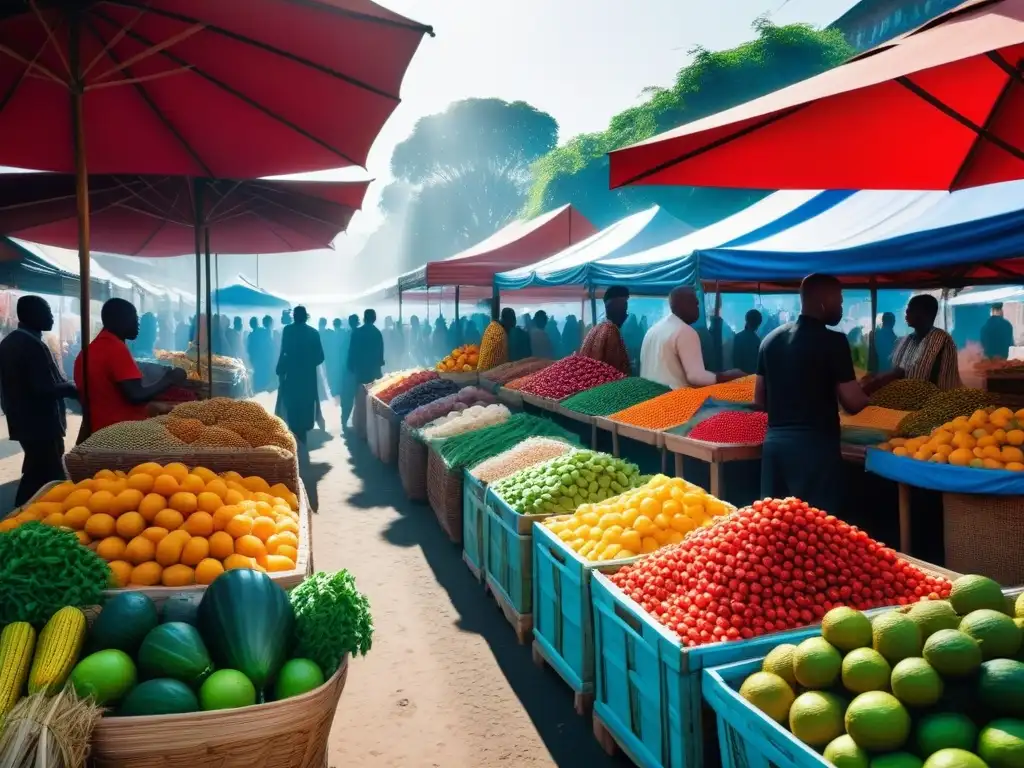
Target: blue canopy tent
[244,295]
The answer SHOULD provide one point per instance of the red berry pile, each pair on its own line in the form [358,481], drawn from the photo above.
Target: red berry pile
[772,566]
[570,375]
[733,427]
[403,386]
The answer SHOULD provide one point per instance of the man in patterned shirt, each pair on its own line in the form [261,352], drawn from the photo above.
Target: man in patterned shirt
[929,353]
[604,342]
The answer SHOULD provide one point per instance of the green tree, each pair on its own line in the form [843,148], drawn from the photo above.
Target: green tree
[577,172]
[464,173]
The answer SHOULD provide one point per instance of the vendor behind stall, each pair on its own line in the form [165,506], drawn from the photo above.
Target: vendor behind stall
[803,369]
[929,353]
[115,390]
[604,341]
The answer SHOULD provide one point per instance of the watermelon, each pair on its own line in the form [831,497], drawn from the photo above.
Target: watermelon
[106,676]
[175,650]
[122,624]
[162,696]
[180,608]
[249,622]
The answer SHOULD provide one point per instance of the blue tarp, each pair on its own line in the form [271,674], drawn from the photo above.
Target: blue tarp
[244,294]
[625,237]
[944,477]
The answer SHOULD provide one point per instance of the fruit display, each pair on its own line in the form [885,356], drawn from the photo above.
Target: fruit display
[775,565]
[402,386]
[905,394]
[660,512]
[331,618]
[248,420]
[422,394]
[943,407]
[529,452]
[471,448]
[874,417]
[493,347]
[474,417]
[388,379]
[500,374]
[614,396]
[561,484]
[568,376]
[987,439]
[460,360]
[171,526]
[733,428]
[460,401]
[43,567]
[149,435]
[517,384]
[937,684]
[680,405]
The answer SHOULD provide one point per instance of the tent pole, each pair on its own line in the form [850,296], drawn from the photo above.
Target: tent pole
[593,306]
[495,302]
[873,362]
[458,331]
[197,232]
[717,339]
[209,317]
[82,198]
[399,305]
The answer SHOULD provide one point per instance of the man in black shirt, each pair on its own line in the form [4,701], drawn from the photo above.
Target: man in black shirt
[32,388]
[746,344]
[804,372]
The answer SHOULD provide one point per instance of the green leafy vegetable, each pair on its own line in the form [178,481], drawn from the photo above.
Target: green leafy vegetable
[43,569]
[332,618]
[470,448]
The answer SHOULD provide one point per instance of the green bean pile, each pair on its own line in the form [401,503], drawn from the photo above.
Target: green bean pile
[470,448]
[615,396]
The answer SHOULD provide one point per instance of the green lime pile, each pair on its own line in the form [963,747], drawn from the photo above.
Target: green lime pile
[615,396]
[939,684]
[905,394]
[942,407]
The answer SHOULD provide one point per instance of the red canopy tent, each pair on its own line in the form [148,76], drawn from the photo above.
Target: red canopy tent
[940,108]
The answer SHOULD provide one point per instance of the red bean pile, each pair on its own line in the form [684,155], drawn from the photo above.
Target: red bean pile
[733,428]
[571,375]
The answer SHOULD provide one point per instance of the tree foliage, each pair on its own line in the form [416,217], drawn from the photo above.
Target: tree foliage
[577,172]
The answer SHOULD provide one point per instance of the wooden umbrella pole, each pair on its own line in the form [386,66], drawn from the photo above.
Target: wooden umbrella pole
[209,316]
[197,232]
[82,197]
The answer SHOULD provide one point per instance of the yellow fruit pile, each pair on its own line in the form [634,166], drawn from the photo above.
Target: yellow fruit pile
[640,521]
[172,526]
[460,360]
[987,439]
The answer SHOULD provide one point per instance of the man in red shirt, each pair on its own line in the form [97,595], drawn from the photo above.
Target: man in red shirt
[115,390]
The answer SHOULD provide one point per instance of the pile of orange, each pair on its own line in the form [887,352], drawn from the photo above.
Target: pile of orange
[460,360]
[679,406]
[172,526]
[987,439]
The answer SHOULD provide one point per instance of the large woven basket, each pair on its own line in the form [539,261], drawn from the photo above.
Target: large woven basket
[412,464]
[388,432]
[982,535]
[359,411]
[292,733]
[444,490]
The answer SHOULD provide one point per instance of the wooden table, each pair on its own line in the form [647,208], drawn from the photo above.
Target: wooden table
[619,430]
[715,454]
[582,418]
[541,403]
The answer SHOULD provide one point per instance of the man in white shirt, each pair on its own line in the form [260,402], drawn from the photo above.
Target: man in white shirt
[671,353]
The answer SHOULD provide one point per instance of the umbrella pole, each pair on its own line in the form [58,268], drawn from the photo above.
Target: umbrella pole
[197,223]
[873,361]
[209,317]
[82,197]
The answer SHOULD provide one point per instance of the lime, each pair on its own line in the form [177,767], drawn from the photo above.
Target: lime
[895,636]
[970,593]
[816,718]
[897,760]
[865,669]
[769,693]
[1001,743]
[877,721]
[933,615]
[952,653]
[996,632]
[816,663]
[846,628]
[780,662]
[1001,687]
[297,676]
[843,752]
[954,758]
[1019,606]
[916,683]
[226,689]
[945,730]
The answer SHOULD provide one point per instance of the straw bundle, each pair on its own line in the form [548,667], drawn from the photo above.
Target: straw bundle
[54,733]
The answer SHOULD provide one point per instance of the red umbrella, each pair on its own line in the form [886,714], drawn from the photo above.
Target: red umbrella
[156,216]
[941,107]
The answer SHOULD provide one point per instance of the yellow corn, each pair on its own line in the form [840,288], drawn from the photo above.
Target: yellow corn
[16,643]
[493,347]
[57,651]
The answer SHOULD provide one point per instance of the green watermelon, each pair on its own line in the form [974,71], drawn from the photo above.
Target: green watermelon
[162,696]
[124,621]
[175,650]
[249,623]
[106,676]
[180,608]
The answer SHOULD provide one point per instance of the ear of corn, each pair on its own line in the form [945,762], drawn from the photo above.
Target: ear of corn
[493,347]
[57,651]
[16,644]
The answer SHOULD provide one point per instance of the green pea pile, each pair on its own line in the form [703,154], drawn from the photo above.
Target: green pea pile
[470,448]
[943,407]
[560,485]
[615,396]
[905,394]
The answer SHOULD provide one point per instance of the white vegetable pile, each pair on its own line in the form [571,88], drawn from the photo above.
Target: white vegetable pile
[531,451]
[460,401]
[474,417]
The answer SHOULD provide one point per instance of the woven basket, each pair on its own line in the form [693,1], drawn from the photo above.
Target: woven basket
[359,411]
[444,490]
[292,733]
[389,425]
[412,464]
[982,534]
[371,424]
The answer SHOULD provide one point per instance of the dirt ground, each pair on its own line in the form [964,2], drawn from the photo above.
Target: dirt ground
[446,684]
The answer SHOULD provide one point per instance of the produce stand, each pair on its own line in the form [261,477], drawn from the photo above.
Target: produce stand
[412,464]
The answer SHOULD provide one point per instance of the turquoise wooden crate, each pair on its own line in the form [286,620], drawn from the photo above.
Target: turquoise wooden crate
[474,524]
[509,552]
[648,686]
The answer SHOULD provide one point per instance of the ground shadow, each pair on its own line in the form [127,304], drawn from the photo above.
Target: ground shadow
[7,493]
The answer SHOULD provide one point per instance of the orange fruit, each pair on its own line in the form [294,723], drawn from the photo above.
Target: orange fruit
[223,514]
[178,576]
[199,524]
[140,550]
[83,538]
[207,570]
[1011,453]
[151,504]
[171,519]
[288,525]
[206,475]
[263,528]
[234,562]
[239,526]
[155,533]
[105,474]
[101,501]
[1014,466]
[77,498]
[59,492]
[88,484]
[288,551]
[111,548]
[209,502]
[120,573]
[130,524]
[146,575]
[128,501]
[183,501]
[177,470]
[218,487]
[99,526]
[149,468]
[114,486]
[231,476]
[250,546]
[287,537]
[196,549]
[961,457]
[55,519]
[254,484]
[141,482]
[279,563]
[221,545]
[233,497]
[170,548]
[193,484]
[166,485]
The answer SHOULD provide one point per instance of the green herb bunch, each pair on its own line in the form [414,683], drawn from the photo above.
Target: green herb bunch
[332,618]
